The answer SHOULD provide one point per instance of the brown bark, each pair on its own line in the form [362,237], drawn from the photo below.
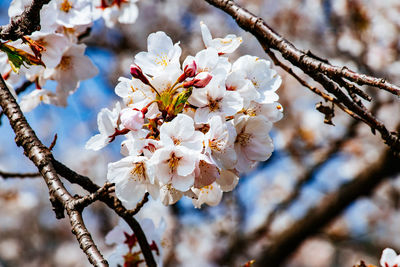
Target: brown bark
[332,78]
[41,157]
[24,24]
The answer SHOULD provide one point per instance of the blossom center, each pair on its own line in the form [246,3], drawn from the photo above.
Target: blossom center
[176,141]
[206,189]
[255,83]
[65,63]
[138,172]
[250,112]
[162,60]
[213,104]
[65,6]
[173,162]
[243,138]
[215,144]
[225,41]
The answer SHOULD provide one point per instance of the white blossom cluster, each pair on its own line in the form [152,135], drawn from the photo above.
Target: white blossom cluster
[57,46]
[191,129]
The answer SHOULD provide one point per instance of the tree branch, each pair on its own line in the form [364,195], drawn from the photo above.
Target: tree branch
[85,201]
[19,90]
[6,175]
[24,24]
[329,76]
[112,202]
[41,157]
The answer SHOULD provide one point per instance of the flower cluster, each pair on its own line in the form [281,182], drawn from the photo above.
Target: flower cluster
[54,52]
[191,129]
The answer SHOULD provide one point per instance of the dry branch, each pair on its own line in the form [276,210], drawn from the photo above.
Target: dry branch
[6,175]
[24,24]
[332,78]
[41,157]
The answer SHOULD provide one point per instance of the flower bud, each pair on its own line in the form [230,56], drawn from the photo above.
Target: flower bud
[137,73]
[132,119]
[198,83]
[189,71]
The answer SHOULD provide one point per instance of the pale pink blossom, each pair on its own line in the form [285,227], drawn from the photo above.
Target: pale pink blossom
[133,178]
[33,99]
[132,119]
[252,142]
[107,121]
[162,54]
[389,258]
[228,44]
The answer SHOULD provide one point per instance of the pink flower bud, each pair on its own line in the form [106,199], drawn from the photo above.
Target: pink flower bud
[198,83]
[189,71]
[132,119]
[137,73]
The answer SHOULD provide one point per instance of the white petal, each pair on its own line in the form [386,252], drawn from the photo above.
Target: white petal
[183,183]
[228,180]
[96,142]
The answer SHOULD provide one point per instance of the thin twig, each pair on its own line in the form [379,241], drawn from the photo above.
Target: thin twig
[6,175]
[85,201]
[140,205]
[318,69]
[53,143]
[315,90]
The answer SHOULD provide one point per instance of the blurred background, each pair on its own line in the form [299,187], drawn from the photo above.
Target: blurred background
[311,161]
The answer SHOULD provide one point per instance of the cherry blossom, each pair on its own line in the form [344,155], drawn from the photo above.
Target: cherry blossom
[219,142]
[273,112]
[264,79]
[175,165]
[189,130]
[169,195]
[132,178]
[252,142]
[137,144]
[180,132]
[125,11]
[33,99]
[236,81]
[107,121]
[66,13]
[215,100]
[17,7]
[210,194]
[389,258]
[132,119]
[74,66]
[223,45]
[55,48]
[208,60]
[162,54]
